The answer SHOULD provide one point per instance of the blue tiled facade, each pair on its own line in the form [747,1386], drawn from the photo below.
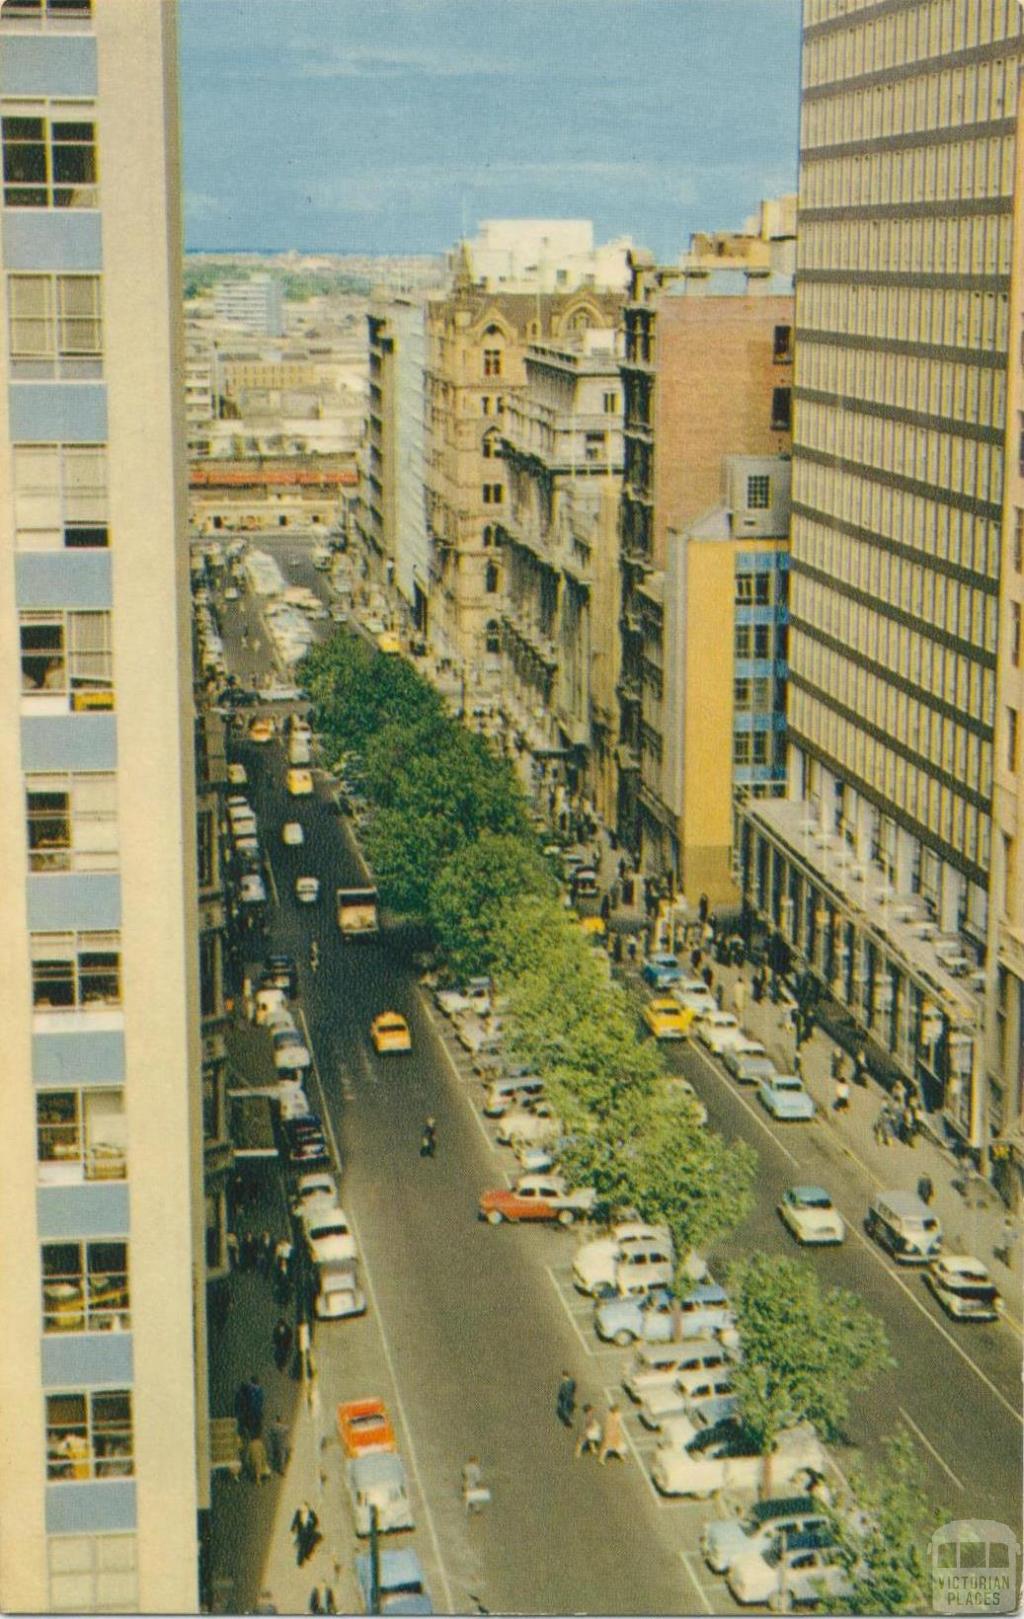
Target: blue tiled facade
[94,1508]
[77,1360]
[774,618]
[97,1209]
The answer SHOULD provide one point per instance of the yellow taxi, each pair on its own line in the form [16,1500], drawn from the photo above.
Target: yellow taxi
[596,926]
[390,1032]
[299,782]
[666,1019]
[389,644]
[261,730]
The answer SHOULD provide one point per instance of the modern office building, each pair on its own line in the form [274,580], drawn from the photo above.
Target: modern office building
[255,303]
[875,872]
[562,448]
[103,1422]
[394,525]
[545,255]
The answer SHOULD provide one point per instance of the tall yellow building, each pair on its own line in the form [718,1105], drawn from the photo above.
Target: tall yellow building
[102,1392]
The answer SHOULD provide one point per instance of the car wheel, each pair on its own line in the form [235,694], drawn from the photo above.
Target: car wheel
[566,1216]
[495,1217]
[623,1338]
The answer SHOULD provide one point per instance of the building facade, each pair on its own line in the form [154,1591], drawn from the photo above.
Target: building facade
[876,871]
[103,1422]
[562,448]
[706,374]
[394,526]
[256,303]
[545,255]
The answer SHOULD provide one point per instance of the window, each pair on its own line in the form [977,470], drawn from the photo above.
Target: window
[490,449]
[55,327]
[762,641]
[741,748]
[89,1435]
[40,11]
[71,822]
[491,577]
[744,587]
[494,494]
[73,970]
[49,161]
[60,496]
[1012,727]
[486,404]
[759,492]
[741,692]
[85,1287]
[492,362]
[782,344]
[80,1135]
[742,640]
[594,447]
[1015,634]
[611,404]
[760,740]
[93,1574]
[1018,541]
[492,636]
[68,654]
[763,589]
[782,414]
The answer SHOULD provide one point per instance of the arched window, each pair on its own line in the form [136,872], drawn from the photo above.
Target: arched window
[491,446]
[491,577]
[488,536]
[492,636]
[492,353]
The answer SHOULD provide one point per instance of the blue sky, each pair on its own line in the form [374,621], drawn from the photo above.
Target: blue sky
[392,125]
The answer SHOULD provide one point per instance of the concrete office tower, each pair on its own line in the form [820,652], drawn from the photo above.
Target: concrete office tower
[545,255]
[393,524]
[255,304]
[876,872]
[102,1393]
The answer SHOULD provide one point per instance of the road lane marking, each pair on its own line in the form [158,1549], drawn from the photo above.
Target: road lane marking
[684,1558]
[273,884]
[587,1350]
[929,1447]
[389,1362]
[758,1120]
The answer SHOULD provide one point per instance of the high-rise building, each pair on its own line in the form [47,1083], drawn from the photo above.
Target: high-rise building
[876,871]
[394,525]
[103,1475]
[256,303]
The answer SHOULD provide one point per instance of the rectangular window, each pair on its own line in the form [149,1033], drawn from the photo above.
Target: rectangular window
[760,752]
[762,641]
[782,344]
[89,1435]
[1018,541]
[71,971]
[742,641]
[492,362]
[594,447]
[54,12]
[741,748]
[80,1135]
[762,589]
[85,1287]
[93,1574]
[759,493]
[486,404]
[71,822]
[68,654]
[782,412]
[1012,727]
[60,496]
[744,588]
[49,156]
[610,403]
[741,692]
[55,326]
[1015,634]
[494,494]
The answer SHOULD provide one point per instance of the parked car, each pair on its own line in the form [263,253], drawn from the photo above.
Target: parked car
[305,1142]
[401,1587]
[475,996]
[785,1097]
[704,1394]
[292,835]
[292,1102]
[364,1426]
[725,1457]
[328,1235]
[595,1263]
[251,889]
[279,969]
[658,1317]
[656,1366]
[390,1032]
[269,1003]
[700,1002]
[811,1215]
[379,1480]
[503,1094]
[666,1019]
[307,890]
[290,1051]
[338,1294]
[723,1540]
[749,1068]
[805,1568]
[319,1190]
[537,1197]
[299,781]
[964,1288]
[718,1030]
[662,970]
[538,1125]
[903,1224]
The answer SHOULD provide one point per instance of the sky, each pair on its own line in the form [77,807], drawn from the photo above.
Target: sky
[394,126]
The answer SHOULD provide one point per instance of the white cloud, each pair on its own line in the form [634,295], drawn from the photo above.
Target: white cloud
[390,62]
[201,206]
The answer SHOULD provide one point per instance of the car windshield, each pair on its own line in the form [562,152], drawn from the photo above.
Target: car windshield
[812,1200]
[970,1287]
[788,1085]
[338,1229]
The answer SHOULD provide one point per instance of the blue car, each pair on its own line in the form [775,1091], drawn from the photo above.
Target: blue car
[785,1098]
[662,971]
[402,1588]
[652,1318]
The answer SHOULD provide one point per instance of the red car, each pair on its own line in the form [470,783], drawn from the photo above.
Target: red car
[537,1197]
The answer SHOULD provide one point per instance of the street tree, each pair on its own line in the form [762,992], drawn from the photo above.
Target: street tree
[805,1350]
[471,893]
[883,1534]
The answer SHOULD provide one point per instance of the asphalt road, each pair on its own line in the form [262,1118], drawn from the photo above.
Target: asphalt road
[467,1320]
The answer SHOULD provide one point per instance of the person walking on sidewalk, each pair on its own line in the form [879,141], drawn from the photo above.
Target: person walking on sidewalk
[305,1527]
[256,1464]
[925,1189]
[279,1444]
[842,1101]
[565,1400]
[860,1067]
[739,998]
[281,1339]
[613,1436]
[590,1433]
[882,1127]
[321,1599]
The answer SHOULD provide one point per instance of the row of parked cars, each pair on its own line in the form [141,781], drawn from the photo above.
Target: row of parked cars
[378,1489]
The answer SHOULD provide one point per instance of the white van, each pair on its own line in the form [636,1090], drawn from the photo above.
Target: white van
[299,750]
[901,1223]
[643,1266]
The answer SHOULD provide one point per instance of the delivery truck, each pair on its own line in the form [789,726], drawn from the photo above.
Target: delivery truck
[357,912]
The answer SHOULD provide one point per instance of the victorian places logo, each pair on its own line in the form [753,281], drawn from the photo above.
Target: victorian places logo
[974,1565]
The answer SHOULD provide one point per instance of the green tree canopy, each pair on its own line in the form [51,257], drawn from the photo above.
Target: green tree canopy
[885,1542]
[471,894]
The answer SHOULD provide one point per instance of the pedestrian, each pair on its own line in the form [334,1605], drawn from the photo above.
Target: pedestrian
[707,934]
[321,1599]
[739,998]
[623,867]
[475,1494]
[613,1436]
[606,908]
[256,1464]
[881,1128]
[720,996]
[899,1093]
[590,1432]
[266,1253]
[757,987]
[281,1339]
[695,958]
[702,909]
[835,1063]
[254,1406]
[231,1244]
[860,1066]
[302,1365]
[279,1444]
[631,950]
[245,1246]
[798,1063]
[908,1126]
[708,976]
[305,1527]
[925,1189]
[565,1400]
[842,1101]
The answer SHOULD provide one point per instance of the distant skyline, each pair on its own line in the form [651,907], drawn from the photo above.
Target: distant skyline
[394,127]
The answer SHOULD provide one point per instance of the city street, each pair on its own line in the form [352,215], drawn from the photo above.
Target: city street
[470,1327]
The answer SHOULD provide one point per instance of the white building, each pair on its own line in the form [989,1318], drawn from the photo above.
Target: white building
[546,255]
[256,304]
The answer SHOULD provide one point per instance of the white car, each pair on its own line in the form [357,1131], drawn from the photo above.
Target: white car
[811,1215]
[290,1052]
[720,1030]
[596,1262]
[328,1235]
[252,889]
[721,1458]
[338,1294]
[292,834]
[318,1190]
[307,890]
[292,1102]
[964,1288]
[696,999]
[537,1125]
[806,1567]
[656,1366]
